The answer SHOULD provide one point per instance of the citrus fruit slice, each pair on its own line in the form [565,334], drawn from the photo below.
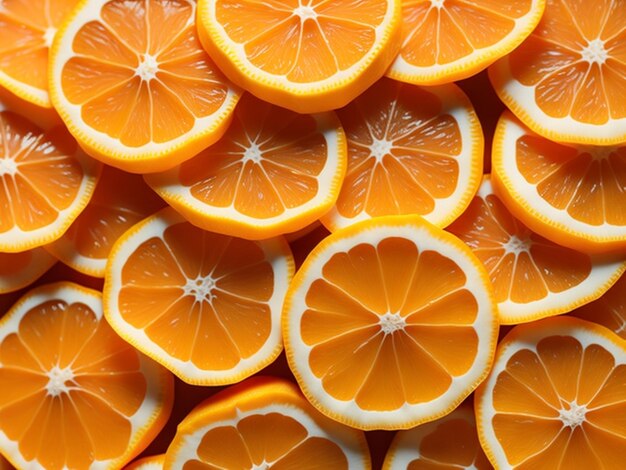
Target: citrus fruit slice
[134,86]
[411,150]
[153,462]
[308,56]
[205,305]
[554,398]
[119,201]
[45,182]
[448,443]
[532,276]
[567,80]
[273,172]
[609,310]
[27,29]
[264,422]
[571,194]
[18,270]
[72,393]
[448,40]
[389,323]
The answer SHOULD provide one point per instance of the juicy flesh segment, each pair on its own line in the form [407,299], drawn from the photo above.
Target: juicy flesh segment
[39,175]
[140,74]
[302,41]
[402,152]
[561,406]
[576,60]
[389,325]
[68,385]
[268,161]
[199,296]
[586,182]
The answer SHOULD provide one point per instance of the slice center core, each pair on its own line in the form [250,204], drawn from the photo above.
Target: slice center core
[380,148]
[391,322]
[595,52]
[148,67]
[574,416]
[58,380]
[8,166]
[200,288]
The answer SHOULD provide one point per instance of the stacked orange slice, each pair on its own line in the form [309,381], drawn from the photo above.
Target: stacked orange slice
[18,270]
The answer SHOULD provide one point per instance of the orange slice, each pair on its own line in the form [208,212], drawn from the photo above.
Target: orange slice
[411,150]
[448,443]
[18,270]
[45,182]
[567,80]
[308,56]
[4,464]
[72,393]
[609,310]
[134,86]
[554,398]
[448,40]
[264,422]
[532,276]
[119,201]
[389,323]
[273,172]
[27,29]
[207,306]
[572,194]
[153,462]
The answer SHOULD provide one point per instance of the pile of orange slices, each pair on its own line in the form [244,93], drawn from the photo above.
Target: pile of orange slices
[321,234]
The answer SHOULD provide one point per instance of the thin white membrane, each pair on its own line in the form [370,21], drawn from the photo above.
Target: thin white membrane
[348,411]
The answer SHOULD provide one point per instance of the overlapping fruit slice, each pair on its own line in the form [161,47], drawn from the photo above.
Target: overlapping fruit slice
[448,443]
[207,306]
[134,86]
[264,423]
[567,80]
[389,323]
[119,201]
[411,150]
[18,270]
[45,182]
[273,172]
[305,55]
[532,276]
[571,194]
[153,462]
[72,393]
[448,40]
[555,398]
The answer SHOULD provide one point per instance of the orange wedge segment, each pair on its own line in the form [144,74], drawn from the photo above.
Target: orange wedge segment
[264,422]
[448,40]
[448,443]
[27,29]
[72,393]
[45,182]
[571,194]
[567,80]
[18,270]
[411,150]
[153,462]
[207,306]
[134,86]
[554,398]
[389,323]
[273,172]
[532,276]
[119,201]
[309,56]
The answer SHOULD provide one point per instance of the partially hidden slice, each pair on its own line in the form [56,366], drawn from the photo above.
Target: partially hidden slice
[567,80]
[446,444]
[134,86]
[73,394]
[571,194]
[308,56]
[45,182]
[532,276]
[389,323]
[445,41]
[119,201]
[207,306]
[153,462]
[18,270]
[273,172]
[554,398]
[264,422]
[411,150]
